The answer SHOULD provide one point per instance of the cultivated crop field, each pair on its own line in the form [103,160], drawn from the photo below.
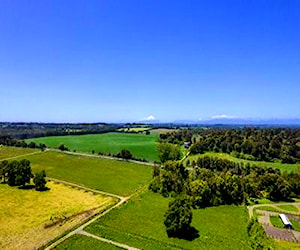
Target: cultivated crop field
[25,215]
[140,145]
[139,223]
[8,152]
[282,166]
[117,177]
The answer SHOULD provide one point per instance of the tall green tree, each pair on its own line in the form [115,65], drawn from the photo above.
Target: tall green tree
[178,217]
[39,180]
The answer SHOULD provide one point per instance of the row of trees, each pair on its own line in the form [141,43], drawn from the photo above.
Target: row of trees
[19,173]
[8,141]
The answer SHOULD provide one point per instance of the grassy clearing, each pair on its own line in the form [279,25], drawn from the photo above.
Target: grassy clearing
[7,152]
[285,245]
[276,221]
[83,242]
[117,177]
[139,223]
[158,131]
[288,208]
[24,213]
[282,166]
[140,145]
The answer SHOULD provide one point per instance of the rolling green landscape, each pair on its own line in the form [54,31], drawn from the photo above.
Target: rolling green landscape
[140,145]
[8,152]
[216,230]
[117,177]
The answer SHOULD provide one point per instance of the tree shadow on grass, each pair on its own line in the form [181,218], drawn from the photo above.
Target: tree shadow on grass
[27,187]
[189,234]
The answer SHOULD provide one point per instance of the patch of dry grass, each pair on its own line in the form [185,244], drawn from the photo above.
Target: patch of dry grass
[29,219]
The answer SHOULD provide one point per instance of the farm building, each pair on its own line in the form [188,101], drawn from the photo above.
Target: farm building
[285,221]
[187,144]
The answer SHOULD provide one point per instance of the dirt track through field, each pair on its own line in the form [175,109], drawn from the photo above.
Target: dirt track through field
[18,156]
[275,232]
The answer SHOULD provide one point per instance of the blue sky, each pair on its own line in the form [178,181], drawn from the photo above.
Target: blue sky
[93,61]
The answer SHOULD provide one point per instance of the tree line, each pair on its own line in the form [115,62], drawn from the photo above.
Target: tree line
[262,144]
[19,173]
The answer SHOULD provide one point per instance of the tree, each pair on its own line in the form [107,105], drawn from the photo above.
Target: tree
[168,152]
[19,173]
[178,217]
[125,154]
[62,147]
[3,169]
[40,181]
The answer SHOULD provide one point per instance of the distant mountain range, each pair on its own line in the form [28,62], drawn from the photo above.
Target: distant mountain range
[230,121]
[239,121]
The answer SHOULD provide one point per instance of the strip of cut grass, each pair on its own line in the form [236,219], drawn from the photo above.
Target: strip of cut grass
[117,177]
[288,208]
[25,213]
[78,241]
[141,220]
[140,145]
[8,152]
[282,166]
[276,221]
[296,225]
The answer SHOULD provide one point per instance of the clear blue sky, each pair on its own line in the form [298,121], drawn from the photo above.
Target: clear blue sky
[116,60]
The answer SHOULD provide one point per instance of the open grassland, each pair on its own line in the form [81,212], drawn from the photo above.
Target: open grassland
[285,245]
[158,131]
[139,223]
[282,166]
[140,145]
[78,241]
[8,152]
[117,177]
[25,215]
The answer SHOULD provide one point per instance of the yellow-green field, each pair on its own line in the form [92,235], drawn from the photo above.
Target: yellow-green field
[8,152]
[30,219]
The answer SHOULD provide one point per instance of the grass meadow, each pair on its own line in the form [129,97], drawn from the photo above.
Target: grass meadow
[140,145]
[282,166]
[79,241]
[117,177]
[25,213]
[139,223]
[8,152]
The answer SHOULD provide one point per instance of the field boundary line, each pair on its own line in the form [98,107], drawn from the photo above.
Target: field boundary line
[18,156]
[81,227]
[101,156]
[86,188]
[107,241]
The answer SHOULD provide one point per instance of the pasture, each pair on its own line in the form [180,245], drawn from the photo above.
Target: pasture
[8,152]
[117,177]
[139,223]
[79,241]
[282,166]
[140,145]
[29,219]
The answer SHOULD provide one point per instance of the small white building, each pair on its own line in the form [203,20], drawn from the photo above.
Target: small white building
[285,221]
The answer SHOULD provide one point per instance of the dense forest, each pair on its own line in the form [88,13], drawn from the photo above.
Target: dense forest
[263,144]
[214,181]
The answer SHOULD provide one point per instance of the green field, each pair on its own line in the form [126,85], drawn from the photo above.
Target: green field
[78,241]
[139,223]
[140,145]
[282,166]
[117,177]
[8,152]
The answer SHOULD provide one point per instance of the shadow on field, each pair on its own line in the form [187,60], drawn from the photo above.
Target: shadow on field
[189,234]
[27,187]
